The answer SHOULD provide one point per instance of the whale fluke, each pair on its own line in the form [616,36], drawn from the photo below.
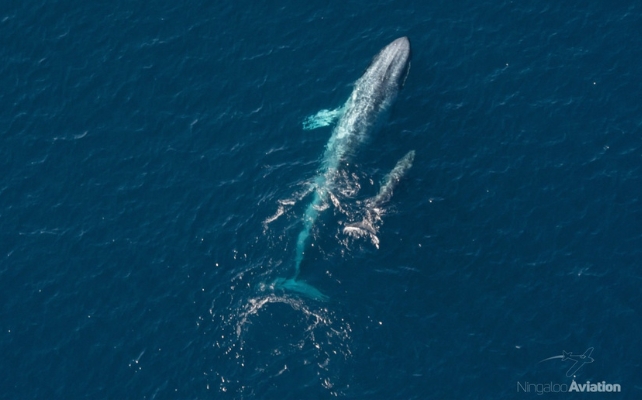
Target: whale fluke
[300,287]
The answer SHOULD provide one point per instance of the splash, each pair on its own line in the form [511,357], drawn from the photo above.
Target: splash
[275,335]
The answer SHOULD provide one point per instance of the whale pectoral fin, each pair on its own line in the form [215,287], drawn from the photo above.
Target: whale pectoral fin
[322,118]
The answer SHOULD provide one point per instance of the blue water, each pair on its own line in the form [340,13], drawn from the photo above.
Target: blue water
[154,173]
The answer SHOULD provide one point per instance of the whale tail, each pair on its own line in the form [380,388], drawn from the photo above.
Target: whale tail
[300,287]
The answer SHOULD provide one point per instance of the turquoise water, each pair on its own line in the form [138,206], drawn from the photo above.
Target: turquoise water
[155,172]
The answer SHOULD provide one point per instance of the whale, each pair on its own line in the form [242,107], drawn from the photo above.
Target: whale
[391,181]
[373,94]
[374,206]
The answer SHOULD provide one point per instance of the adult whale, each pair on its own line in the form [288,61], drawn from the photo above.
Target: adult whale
[372,95]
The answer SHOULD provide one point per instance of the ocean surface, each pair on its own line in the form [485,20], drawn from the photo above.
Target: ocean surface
[155,172]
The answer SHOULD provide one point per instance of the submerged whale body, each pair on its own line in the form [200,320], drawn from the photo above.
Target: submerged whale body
[372,95]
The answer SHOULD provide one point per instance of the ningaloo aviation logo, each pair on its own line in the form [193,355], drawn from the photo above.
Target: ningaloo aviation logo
[578,361]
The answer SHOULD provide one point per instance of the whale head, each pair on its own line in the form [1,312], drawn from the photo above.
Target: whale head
[378,86]
[390,67]
[398,53]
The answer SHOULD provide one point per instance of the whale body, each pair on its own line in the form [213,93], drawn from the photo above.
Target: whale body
[374,206]
[372,95]
[391,181]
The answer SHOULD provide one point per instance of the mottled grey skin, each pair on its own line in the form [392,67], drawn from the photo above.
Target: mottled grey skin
[373,206]
[391,181]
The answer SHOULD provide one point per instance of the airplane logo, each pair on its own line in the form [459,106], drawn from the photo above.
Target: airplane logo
[579,360]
